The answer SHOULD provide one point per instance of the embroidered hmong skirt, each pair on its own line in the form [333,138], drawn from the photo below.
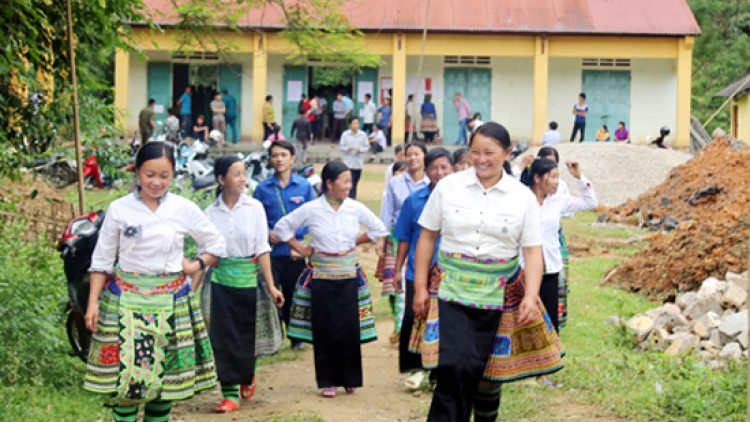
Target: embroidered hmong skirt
[518,352]
[385,272]
[429,124]
[564,287]
[151,342]
[333,310]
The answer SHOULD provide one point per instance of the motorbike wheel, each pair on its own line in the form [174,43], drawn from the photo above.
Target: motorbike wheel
[89,183]
[80,341]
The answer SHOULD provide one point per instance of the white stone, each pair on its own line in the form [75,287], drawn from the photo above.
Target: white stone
[728,313]
[704,306]
[700,329]
[714,336]
[687,299]
[731,351]
[734,324]
[710,347]
[642,325]
[710,287]
[712,320]
[670,319]
[658,340]
[734,297]
[743,339]
[739,280]
[681,344]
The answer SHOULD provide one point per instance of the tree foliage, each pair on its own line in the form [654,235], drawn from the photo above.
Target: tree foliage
[721,55]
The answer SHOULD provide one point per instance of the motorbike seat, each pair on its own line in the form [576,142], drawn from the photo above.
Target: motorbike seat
[203,182]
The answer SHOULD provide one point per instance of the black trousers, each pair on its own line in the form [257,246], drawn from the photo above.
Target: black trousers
[286,272]
[367,127]
[356,174]
[466,339]
[407,361]
[576,128]
[339,126]
[549,293]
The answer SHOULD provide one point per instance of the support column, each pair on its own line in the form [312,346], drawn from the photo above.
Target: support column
[541,83]
[398,100]
[122,88]
[260,79]
[684,85]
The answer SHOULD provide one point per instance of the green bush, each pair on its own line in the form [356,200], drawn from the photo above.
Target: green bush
[33,342]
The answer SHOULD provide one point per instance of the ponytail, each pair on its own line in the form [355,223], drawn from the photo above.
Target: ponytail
[539,167]
[506,167]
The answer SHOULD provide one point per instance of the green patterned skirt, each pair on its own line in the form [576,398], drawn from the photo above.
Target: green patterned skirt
[151,342]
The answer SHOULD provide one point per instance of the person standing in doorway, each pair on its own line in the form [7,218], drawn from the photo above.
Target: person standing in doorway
[269,117]
[314,117]
[429,120]
[186,111]
[219,110]
[303,129]
[339,118]
[369,112]
[281,194]
[464,111]
[384,119]
[146,121]
[409,118]
[231,113]
[354,145]
[580,110]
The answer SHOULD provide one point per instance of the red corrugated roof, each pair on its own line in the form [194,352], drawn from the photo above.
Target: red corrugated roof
[584,17]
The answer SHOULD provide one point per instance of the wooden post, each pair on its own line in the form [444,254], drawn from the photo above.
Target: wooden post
[76,119]
[748,317]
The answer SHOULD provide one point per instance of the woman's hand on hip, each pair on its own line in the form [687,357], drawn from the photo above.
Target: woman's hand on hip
[190,267]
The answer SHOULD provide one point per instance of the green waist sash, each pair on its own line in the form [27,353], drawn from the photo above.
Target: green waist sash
[240,273]
[335,266]
[475,283]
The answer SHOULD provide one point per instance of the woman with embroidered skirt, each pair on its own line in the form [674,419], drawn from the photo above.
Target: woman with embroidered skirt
[485,323]
[438,164]
[234,282]
[150,343]
[543,178]
[396,192]
[332,303]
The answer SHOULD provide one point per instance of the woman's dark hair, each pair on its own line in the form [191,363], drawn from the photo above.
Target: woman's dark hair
[539,167]
[399,148]
[153,151]
[221,168]
[436,153]
[276,130]
[415,144]
[282,144]
[545,152]
[331,172]
[623,124]
[398,166]
[499,134]
[477,116]
[301,110]
[606,129]
[268,97]
[460,154]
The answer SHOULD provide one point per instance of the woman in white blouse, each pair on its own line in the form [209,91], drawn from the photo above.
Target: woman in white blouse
[235,292]
[398,189]
[483,305]
[543,178]
[332,304]
[150,343]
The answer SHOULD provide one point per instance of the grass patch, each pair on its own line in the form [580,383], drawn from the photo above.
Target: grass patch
[373,176]
[604,369]
[96,199]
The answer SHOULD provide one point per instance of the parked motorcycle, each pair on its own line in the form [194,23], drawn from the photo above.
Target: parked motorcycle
[659,141]
[76,247]
[192,163]
[520,148]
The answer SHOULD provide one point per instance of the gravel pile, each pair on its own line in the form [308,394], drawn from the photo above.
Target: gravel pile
[618,171]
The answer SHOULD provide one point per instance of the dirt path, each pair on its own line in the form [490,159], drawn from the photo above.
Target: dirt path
[288,388]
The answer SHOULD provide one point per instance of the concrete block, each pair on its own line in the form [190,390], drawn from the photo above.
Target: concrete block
[734,297]
[687,299]
[731,351]
[734,324]
[704,306]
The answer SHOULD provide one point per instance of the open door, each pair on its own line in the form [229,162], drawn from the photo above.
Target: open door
[365,82]
[230,77]
[160,88]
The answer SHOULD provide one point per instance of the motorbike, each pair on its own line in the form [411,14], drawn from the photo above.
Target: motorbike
[520,148]
[659,141]
[76,247]
[192,163]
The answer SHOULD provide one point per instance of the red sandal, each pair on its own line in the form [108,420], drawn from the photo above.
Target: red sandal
[248,391]
[226,406]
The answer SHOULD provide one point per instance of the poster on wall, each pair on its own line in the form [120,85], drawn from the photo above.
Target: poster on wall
[386,83]
[364,87]
[158,108]
[293,91]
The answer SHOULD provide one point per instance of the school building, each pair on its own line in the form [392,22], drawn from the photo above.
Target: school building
[739,91]
[521,63]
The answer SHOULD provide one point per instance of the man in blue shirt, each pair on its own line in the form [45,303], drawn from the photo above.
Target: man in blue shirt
[281,194]
[438,165]
[231,115]
[186,109]
[580,110]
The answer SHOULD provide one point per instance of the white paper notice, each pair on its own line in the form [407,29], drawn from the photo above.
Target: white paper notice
[362,112]
[158,108]
[293,91]
[437,92]
[362,89]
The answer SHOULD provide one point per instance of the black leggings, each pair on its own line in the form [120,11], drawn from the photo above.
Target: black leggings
[550,295]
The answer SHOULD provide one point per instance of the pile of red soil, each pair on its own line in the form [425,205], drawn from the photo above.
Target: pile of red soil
[705,203]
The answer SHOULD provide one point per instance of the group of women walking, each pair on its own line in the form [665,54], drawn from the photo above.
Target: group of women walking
[470,256]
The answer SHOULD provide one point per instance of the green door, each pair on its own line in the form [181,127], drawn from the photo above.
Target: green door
[295,78]
[160,88]
[367,80]
[608,98]
[476,87]
[230,77]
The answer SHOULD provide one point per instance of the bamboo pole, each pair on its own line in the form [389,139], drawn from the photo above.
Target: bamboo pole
[76,115]
[413,128]
[748,317]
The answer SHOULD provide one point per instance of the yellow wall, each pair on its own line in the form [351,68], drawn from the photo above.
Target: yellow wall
[398,47]
[743,118]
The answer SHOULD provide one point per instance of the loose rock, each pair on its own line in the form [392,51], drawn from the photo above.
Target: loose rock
[734,324]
